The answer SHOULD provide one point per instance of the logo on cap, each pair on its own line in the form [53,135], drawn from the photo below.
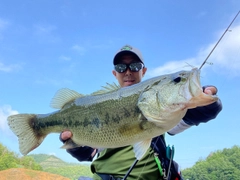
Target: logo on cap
[126,48]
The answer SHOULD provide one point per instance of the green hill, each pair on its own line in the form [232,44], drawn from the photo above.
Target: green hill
[219,165]
[49,161]
[54,165]
[42,162]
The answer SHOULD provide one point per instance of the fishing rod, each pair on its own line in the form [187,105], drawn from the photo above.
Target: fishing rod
[219,40]
[136,161]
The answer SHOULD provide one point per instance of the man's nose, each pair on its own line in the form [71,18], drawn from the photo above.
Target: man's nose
[128,71]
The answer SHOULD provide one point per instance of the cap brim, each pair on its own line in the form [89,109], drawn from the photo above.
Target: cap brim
[122,53]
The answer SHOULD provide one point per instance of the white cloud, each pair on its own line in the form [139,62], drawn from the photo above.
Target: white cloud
[3,25]
[9,68]
[225,58]
[227,55]
[172,66]
[55,82]
[46,33]
[201,14]
[79,49]
[6,111]
[44,29]
[52,153]
[65,58]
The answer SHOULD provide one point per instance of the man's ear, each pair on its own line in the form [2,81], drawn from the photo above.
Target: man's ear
[114,73]
[144,71]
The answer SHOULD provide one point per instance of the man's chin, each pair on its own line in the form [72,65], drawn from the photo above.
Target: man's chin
[128,83]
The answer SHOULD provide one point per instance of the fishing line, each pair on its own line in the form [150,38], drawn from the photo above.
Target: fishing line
[205,61]
[233,58]
[218,41]
[148,158]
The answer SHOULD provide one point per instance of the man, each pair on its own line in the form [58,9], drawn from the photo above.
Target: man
[129,69]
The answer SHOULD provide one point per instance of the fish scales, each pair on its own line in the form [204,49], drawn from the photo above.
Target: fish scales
[92,125]
[127,116]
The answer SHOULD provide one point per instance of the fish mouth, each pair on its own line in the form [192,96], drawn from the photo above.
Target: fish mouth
[199,98]
[196,78]
[194,84]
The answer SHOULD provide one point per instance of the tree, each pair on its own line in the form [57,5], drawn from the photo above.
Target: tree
[7,159]
[10,160]
[29,163]
[219,165]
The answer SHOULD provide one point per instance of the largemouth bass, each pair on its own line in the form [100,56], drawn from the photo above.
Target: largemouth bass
[125,116]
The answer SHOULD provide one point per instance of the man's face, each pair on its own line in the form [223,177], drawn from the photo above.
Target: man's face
[128,77]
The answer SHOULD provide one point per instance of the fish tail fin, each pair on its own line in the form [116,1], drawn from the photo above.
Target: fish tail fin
[22,127]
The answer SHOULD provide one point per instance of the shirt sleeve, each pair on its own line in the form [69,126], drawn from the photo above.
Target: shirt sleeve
[202,114]
[180,127]
[83,153]
[196,116]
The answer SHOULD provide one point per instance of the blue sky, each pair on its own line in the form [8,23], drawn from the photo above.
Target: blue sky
[48,45]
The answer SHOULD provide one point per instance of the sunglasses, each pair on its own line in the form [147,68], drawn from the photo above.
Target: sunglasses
[134,67]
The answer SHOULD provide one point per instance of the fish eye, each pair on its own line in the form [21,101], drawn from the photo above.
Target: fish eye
[177,80]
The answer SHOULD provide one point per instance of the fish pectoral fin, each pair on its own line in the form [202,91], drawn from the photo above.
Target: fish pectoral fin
[141,148]
[63,96]
[69,144]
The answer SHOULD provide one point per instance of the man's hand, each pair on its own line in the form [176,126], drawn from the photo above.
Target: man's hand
[65,135]
[211,90]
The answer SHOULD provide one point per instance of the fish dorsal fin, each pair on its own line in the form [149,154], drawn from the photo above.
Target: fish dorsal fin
[141,148]
[64,96]
[106,89]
